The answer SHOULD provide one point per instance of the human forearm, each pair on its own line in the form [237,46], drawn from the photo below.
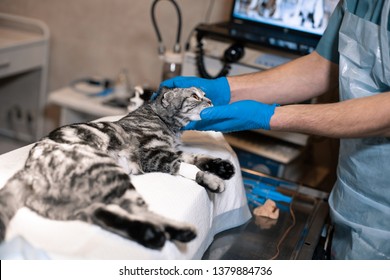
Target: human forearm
[299,80]
[361,117]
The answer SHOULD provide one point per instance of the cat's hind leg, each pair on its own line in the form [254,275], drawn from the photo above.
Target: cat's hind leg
[146,228]
[132,202]
[129,217]
[115,219]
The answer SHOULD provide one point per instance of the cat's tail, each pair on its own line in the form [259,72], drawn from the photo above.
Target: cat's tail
[12,197]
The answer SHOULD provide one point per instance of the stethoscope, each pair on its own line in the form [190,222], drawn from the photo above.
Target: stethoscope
[161,46]
[232,54]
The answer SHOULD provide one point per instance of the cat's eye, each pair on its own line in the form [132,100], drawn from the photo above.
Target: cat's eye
[195,96]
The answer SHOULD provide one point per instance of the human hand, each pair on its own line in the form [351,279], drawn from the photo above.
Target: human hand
[217,90]
[240,115]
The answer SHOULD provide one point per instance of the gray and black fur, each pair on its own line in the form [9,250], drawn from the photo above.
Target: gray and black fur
[81,171]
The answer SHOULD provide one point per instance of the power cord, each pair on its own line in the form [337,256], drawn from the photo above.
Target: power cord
[293,223]
[232,54]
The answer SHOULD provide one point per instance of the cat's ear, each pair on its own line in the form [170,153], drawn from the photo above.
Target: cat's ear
[166,96]
[163,90]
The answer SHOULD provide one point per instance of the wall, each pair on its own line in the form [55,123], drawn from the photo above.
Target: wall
[100,37]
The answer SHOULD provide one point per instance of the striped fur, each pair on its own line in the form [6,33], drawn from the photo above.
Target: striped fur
[81,171]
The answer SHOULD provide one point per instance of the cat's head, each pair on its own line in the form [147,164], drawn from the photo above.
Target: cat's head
[180,105]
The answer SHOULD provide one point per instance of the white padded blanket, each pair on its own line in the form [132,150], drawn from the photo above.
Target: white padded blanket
[32,236]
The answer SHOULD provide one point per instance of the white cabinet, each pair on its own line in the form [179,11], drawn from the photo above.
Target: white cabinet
[24,45]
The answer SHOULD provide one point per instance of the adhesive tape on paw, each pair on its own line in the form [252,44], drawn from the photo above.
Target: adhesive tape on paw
[188,170]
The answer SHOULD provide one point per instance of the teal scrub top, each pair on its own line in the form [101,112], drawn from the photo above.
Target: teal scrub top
[367,9]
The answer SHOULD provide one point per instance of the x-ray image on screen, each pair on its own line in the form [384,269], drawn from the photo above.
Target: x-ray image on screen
[309,16]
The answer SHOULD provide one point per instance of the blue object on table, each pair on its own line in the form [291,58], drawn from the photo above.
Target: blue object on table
[258,184]
[257,201]
[270,194]
[102,93]
[265,191]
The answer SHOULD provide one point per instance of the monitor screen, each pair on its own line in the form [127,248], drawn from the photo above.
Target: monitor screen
[307,16]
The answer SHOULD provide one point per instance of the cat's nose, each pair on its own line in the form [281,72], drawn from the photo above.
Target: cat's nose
[209,103]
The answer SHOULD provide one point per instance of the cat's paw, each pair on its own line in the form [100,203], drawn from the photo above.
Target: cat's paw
[181,233]
[147,234]
[224,169]
[210,181]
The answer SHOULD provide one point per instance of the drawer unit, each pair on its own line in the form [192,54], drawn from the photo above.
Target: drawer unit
[21,59]
[24,44]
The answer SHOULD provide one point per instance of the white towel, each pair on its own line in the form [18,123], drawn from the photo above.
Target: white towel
[172,196]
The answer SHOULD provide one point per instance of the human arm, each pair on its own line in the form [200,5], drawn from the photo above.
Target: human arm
[359,117]
[297,81]
[305,78]
[362,117]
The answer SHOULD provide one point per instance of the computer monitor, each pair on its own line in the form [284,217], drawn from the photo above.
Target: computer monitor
[289,24]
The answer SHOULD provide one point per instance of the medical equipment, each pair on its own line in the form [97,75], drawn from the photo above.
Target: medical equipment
[172,60]
[93,86]
[97,86]
[279,25]
[294,26]
[117,93]
[232,54]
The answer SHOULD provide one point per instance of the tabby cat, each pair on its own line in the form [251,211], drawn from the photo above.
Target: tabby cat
[81,171]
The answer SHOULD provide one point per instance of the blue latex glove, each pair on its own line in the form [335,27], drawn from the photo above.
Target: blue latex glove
[240,115]
[217,90]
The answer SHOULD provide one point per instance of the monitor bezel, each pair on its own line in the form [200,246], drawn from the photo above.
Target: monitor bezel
[304,39]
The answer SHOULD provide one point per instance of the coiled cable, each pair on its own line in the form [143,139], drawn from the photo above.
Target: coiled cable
[202,71]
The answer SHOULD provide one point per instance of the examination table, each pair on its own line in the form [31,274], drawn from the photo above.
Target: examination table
[30,236]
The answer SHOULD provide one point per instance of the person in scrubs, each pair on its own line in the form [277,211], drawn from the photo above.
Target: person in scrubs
[353,54]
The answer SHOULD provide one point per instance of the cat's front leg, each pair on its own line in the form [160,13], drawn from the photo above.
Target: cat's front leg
[224,169]
[206,179]
[210,181]
[206,171]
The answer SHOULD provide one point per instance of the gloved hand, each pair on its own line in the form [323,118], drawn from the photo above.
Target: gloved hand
[240,115]
[217,90]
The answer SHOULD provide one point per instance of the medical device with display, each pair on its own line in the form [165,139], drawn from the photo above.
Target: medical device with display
[292,25]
